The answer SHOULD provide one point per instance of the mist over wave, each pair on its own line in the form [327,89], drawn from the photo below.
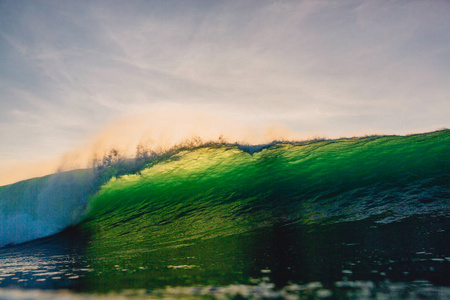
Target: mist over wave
[161,130]
[155,131]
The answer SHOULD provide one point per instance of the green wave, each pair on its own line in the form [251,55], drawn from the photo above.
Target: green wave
[221,190]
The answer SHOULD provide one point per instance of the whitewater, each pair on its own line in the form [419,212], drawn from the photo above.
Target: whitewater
[324,218]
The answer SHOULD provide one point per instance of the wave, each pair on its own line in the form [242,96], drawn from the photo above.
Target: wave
[219,189]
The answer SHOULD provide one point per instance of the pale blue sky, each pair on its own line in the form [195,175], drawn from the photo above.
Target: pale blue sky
[326,68]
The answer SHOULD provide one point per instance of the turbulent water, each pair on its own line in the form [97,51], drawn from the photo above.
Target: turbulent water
[361,217]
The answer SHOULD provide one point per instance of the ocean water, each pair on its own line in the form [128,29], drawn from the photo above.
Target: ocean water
[356,218]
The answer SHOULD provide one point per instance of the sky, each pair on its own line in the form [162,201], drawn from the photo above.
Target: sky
[72,70]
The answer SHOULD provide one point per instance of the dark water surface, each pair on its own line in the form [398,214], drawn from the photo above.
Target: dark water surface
[412,253]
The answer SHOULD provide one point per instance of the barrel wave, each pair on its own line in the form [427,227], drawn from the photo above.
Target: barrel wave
[388,178]
[222,214]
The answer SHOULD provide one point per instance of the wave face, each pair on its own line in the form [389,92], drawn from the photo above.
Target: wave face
[388,178]
[365,208]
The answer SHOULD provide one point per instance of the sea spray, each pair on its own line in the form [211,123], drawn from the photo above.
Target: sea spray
[158,130]
[43,206]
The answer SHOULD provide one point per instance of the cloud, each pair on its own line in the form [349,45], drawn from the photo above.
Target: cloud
[316,67]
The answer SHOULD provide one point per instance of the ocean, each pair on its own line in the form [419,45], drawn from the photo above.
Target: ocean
[355,218]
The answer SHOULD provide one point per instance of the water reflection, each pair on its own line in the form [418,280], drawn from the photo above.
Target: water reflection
[280,255]
[51,263]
